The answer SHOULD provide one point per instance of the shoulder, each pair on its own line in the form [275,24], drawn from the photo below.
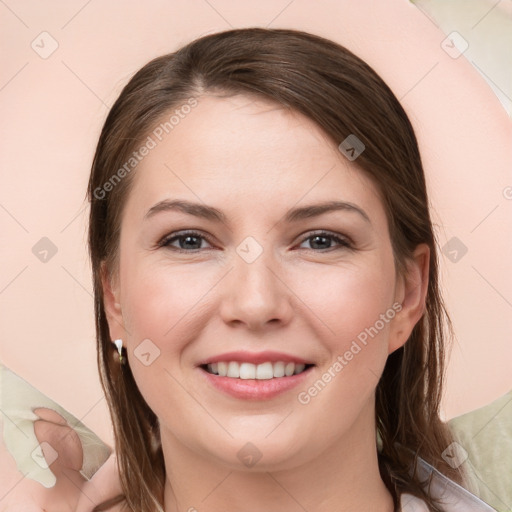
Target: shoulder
[484,438]
[452,496]
[451,501]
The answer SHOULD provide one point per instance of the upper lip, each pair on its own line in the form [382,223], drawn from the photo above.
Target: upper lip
[242,356]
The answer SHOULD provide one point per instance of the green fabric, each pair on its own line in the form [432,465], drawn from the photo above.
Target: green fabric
[486,435]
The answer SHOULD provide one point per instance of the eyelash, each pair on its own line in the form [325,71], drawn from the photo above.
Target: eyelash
[343,242]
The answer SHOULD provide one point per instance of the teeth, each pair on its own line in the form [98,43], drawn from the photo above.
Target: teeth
[299,368]
[247,371]
[279,369]
[222,369]
[233,370]
[262,371]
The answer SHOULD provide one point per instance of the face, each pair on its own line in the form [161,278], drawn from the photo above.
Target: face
[254,287]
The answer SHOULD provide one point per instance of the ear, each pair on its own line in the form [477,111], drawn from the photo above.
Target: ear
[410,291]
[111,295]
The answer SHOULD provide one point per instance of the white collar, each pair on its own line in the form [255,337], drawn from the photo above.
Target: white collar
[454,497]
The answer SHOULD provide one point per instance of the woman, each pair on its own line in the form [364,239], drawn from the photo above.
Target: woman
[257,370]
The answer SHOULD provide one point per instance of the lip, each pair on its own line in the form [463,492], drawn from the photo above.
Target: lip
[242,356]
[254,389]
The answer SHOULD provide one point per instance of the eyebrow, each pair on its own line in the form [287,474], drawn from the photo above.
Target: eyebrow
[215,215]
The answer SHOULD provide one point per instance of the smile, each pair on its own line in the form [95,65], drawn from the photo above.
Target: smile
[248,381]
[263,371]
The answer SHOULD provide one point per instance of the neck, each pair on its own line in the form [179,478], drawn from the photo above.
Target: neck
[344,478]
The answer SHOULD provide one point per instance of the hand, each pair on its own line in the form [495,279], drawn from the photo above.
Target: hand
[63,453]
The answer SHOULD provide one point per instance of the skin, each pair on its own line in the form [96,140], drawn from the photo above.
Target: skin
[71,492]
[254,161]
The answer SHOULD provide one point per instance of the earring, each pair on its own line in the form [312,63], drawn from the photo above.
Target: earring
[119,344]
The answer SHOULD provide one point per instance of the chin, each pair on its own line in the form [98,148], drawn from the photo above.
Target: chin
[260,454]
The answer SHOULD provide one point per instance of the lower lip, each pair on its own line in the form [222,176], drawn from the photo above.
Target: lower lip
[254,389]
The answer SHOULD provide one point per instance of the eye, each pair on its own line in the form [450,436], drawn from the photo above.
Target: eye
[321,238]
[188,241]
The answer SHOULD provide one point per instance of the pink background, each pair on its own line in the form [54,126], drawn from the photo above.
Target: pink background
[52,110]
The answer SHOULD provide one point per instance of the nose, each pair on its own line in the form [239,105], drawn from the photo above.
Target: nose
[255,294]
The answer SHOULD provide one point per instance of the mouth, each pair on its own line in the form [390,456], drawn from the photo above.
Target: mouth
[264,371]
[249,375]
[260,382]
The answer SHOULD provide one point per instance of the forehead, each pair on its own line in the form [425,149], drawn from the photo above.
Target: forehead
[246,146]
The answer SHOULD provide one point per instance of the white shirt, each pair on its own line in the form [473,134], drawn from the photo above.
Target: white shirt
[454,497]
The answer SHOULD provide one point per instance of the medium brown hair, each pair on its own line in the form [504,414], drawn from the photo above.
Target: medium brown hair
[343,95]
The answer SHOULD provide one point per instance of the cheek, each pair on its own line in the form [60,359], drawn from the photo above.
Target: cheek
[160,308]
[348,299]
[354,305]
[158,299]
[163,310]
[337,305]
[358,312]
[165,302]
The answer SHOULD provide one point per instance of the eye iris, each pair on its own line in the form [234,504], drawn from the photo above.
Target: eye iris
[316,237]
[186,239]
